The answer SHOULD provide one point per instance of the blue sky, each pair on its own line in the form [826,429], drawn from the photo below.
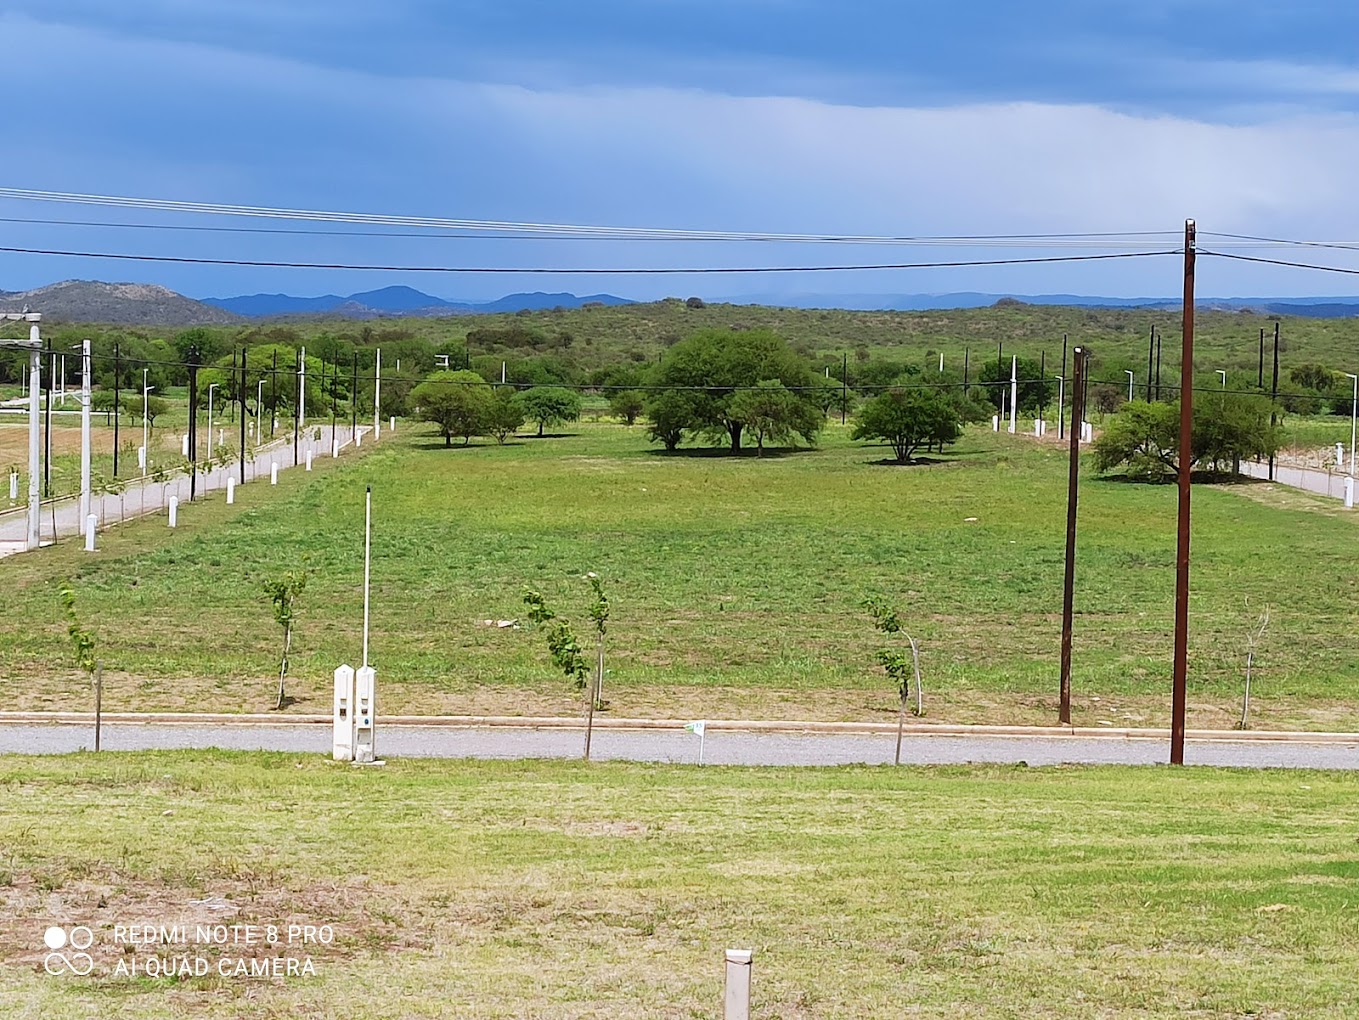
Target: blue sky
[765,115]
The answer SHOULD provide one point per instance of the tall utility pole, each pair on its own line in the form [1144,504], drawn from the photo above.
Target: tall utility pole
[844,386]
[86,369]
[194,359]
[966,352]
[1061,408]
[1260,375]
[1181,672]
[1069,578]
[117,403]
[1158,365]
[241,391]
[1274,392]
[1151,352]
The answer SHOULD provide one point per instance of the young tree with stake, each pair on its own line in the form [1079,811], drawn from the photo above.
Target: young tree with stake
[894,663]
[283,592]
[564,650]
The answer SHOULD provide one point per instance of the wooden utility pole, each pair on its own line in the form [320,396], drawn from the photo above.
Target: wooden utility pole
[1069,579]
[1181,671]
[1151,354]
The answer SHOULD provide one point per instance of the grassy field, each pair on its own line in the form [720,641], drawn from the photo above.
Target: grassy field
[737,587]
[551,890]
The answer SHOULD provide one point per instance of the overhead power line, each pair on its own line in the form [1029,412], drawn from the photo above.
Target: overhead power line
[597,232]
[1280,262]
[592,271]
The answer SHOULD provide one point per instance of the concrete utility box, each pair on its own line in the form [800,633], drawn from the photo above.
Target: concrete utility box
[365,713]
[736,1000]
[342,715]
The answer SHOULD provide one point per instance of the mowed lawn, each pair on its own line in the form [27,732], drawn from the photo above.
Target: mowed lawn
[737,586]
[556,890]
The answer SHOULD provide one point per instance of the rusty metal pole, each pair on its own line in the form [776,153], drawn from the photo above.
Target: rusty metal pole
[1069,580]
[1177,695]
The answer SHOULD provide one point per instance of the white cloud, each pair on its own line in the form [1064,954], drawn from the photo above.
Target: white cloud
[149,117]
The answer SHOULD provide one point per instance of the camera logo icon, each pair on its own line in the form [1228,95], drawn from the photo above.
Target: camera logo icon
[79,939]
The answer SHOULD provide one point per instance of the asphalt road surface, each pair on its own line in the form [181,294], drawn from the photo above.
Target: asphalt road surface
[723,747]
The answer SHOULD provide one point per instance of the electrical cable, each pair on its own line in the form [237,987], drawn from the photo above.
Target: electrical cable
[586,271]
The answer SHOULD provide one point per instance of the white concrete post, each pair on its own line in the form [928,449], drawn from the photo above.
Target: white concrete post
[273,473]
[1349,492]
[342,715]
[365,714]
[377,397]
[141,459]
[85,403]
[231,489]
[995,423]
[736,1001]
[91,522]
[14,486]
[184,446]
[174,511]
[308,460]
[302,391]
[1340,454]
[1037,427]
[392,426]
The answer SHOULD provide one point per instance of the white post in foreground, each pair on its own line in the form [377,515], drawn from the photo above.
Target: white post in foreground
[273,473]
[231,489]
[392,426]
[85,430]
[14,486]
[1349,493]
[174,511]
[736,1001]
[91,523]
[342,715]
[309,460]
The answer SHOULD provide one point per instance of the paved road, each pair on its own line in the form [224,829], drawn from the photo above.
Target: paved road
[1324,482]
[720,747]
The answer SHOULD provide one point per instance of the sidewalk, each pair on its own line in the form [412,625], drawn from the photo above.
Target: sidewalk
[61,517]
[1318,480]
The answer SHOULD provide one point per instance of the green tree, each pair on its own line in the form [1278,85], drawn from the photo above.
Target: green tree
[458,402]
[550,405]
[153,409]
[772,412]
[713,366]
[505,415]
[670,413]
[1227,428]
[627,405]
[907,419]
[895,664]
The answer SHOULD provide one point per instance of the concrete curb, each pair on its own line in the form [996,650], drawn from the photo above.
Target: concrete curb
[737,725]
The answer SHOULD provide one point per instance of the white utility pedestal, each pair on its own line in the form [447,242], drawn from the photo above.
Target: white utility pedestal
[14,486]
[1349,493]
[273,473]
[174,511]
[231,490]
[308,460]
[342,715]
[736,1000]
[91,522]
[365,713]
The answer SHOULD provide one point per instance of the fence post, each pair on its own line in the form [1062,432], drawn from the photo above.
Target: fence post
[736,1003]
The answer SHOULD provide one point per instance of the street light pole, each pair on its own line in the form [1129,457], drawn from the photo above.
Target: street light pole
[210,389]
[1354,400]
[146,439]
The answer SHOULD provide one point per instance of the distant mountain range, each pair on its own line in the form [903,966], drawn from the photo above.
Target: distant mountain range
[397,301]
[149,305]
[1312,307]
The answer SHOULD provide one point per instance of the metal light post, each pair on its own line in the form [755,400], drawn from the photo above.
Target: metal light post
[1061,403]
[146,438]
[1128,373]
[1354,407]
[210,389]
